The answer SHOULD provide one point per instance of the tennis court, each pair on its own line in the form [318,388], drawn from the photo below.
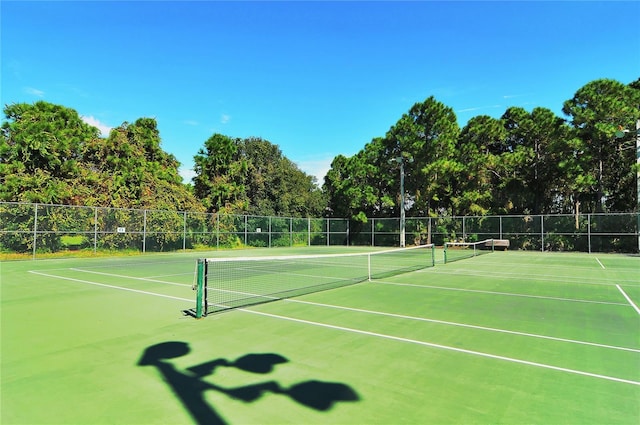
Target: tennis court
[511,337]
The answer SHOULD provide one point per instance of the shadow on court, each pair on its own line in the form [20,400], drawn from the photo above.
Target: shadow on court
[190,387]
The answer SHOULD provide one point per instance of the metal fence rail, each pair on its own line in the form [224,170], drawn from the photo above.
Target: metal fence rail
[42,228]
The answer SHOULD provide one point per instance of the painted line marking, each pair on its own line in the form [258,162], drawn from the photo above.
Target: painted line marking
[362,332]
[104,285]
[599,262]
[444,347]
[464,325]
[128,277]
[624,294]
[506,294]
[532,277]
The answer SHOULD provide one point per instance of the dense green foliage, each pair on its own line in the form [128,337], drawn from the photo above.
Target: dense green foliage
[41,150]
[253,176]
[521,163]
[49,155]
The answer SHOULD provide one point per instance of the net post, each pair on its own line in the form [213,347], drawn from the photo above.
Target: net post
[200,288]
[433,255]
[493,245]
[445,253]
[369,267]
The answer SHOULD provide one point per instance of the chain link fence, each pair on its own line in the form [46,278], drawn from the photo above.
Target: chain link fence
[42,229]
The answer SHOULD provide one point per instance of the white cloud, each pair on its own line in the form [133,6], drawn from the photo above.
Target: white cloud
[187,174]
[511,96]
[34,92]
[91,120]
[317,167]
[225,118]
[469,109]
[479,108]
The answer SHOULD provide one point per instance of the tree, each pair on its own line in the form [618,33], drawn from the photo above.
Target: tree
[132,171]
[220,175]
[349,189]
[478,187]
[49,155]
[275,185]
[428,133]
[534,147]
[41,153]
[252,176]
[597,111]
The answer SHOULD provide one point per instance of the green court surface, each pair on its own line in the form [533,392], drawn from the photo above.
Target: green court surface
[504,338]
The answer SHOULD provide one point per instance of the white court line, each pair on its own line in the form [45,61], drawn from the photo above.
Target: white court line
[601,265]
[358,331]
[128,277]
[532,277]
[464,325]
[506,294]
[88,282]
[445,347]
[171,275]
[629,299]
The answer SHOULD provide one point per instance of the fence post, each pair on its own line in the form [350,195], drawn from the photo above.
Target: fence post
[328,224]
[589,231]
[269,231]
[245,230]
[184,230]
[95,230]
[35,230]
[542,232]
[144,231]
[464,230]
[348,233]
[217,230]
[373,232]
[308,231]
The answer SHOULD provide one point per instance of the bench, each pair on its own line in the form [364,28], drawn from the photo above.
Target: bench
[502,244]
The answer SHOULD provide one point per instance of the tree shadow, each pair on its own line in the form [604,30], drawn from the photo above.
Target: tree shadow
[190,387]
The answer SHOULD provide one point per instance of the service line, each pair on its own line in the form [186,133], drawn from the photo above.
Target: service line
[445,347]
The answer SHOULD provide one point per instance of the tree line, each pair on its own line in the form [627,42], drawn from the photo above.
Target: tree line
[48,154]
[521,163]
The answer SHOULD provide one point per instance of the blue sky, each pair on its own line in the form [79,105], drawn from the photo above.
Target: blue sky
[316,78]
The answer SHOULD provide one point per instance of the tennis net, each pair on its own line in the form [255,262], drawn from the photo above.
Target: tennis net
[454,251]
[227,283]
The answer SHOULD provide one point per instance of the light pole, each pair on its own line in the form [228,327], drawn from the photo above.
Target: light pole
[400,160]
[619,135]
